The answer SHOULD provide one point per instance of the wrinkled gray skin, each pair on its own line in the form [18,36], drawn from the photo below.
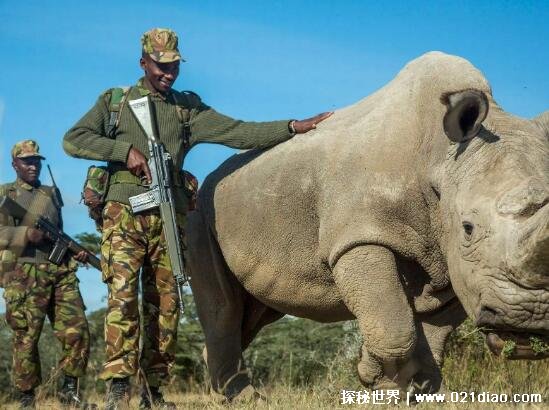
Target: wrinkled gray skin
[424,188]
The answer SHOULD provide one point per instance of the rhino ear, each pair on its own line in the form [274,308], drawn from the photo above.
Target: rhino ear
[465,111]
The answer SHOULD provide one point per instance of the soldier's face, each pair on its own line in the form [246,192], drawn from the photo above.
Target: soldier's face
[160,75]
[28,169]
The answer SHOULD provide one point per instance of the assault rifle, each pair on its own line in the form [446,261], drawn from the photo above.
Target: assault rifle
[63,243]
[160,195]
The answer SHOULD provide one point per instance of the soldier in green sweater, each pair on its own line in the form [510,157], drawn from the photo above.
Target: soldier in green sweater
[109,132]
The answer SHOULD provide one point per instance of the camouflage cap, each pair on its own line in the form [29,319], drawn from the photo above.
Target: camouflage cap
[161,45]
[26,149]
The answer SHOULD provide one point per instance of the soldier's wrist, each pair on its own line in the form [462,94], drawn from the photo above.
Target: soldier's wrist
[291,127]
[120,151]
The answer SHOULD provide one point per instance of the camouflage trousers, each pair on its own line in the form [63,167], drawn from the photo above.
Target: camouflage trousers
[33,292]
[130,244]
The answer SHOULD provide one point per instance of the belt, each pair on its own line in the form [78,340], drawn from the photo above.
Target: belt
[126,177]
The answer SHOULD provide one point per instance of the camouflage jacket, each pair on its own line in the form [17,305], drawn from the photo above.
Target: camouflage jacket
[13,233]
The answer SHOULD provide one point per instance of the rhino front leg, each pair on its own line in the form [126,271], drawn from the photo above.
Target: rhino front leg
[368,281]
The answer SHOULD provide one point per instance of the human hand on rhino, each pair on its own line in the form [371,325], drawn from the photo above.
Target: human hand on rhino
[303,126]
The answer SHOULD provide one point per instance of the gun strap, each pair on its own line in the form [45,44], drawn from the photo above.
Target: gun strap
[119,96]
[184,116]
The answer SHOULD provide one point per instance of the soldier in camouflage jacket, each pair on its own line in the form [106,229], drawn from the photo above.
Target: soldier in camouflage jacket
[37,288]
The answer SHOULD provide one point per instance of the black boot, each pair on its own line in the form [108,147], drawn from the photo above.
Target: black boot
[155,399]
[119,394]
[26,400]
[69,397]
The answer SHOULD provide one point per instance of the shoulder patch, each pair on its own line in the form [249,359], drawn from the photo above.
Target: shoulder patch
[115,94]
[118,95]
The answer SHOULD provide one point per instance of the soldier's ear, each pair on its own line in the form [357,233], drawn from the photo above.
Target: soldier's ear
[15,163]
[465,111]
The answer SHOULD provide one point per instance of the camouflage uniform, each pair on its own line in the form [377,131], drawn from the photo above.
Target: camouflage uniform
[33,292]
[131,242]
[37,288]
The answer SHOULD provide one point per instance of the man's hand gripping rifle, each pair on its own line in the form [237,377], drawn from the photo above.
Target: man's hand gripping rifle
[160,194]
[63,243]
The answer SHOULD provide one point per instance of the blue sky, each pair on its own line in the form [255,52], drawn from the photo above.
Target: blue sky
[253,60]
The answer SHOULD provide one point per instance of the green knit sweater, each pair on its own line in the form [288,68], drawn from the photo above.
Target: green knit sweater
[88,137]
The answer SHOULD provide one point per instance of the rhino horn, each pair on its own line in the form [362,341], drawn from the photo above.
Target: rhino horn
[533,248]
[465,111]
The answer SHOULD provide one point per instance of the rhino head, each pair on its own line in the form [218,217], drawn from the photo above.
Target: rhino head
[495,215]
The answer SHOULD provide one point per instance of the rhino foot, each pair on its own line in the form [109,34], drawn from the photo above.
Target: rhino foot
[369,368]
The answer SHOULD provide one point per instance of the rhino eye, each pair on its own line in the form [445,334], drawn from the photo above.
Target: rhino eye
[468,228]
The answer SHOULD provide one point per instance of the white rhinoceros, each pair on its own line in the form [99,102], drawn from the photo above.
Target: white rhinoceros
[423,189]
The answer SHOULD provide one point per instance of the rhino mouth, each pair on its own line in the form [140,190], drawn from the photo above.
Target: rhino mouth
[517,346]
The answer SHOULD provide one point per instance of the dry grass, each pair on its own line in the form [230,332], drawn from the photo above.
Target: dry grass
[469,367]
[284,397]
[495,375]
[461,373]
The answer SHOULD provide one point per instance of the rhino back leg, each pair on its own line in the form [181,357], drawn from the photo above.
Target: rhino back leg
[219,304]
[229,315]
[368,280]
